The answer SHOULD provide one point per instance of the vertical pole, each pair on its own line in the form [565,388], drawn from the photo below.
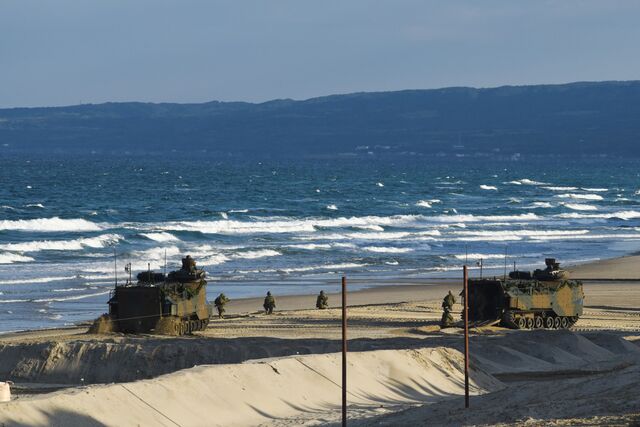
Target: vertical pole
[466,337]
[514,266]
[481,267]
[115,265]
[344,351]
[505,263]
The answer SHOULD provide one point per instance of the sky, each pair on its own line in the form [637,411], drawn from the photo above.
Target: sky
[67,52]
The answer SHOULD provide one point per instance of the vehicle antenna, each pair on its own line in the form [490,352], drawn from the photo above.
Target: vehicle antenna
[505,262]
[149,271]
[466,254]
[115,265]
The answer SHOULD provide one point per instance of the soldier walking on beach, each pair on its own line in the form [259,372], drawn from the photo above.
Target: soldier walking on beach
[219,303]
[322,301]
[447,307]
[269,303]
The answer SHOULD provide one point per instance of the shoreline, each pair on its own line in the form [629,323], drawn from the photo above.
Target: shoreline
[388,290]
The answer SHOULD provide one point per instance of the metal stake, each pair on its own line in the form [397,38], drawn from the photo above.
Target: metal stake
[344,351]
[466,337]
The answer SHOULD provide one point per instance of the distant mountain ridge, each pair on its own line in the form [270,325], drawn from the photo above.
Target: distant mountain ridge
[586,118]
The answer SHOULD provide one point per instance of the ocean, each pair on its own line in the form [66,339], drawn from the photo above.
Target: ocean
[292,225]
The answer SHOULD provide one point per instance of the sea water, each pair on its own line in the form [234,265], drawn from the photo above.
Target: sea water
[292,225]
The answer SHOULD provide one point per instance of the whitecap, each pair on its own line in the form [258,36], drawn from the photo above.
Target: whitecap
[561,188]
[54,224]
[624,215]
[488,187]
[35,205]
[63,245]
[386,249]
[332,207]
[580,196]
[224,215]
[256,254]
[423,204]
[379,184]
[596,190]
[161,237]
[544,205]
[369,227]
[526,181]
[580,207]
[239,211]
[10,258]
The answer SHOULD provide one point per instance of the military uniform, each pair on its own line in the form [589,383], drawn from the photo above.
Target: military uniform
[188,264]
[269,303]
[447,307]
[219,303]
[322,301]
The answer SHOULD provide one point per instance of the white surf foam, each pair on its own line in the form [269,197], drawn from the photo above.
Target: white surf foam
[332,207]
[369,227]
[63,245]
[386,250]
[71,298]
[580,196]
[424,203]
[580,207]
[624,215]
[256,254]
[161,237]
[35,205]
[36,280]
[595,190]
[544,205]
[379,184]
[488,187]
[239,211]
[526,181]
[10,258]
[561,188]
[54,224]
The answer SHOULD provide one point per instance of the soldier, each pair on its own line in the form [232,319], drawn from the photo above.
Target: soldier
[219,303]
[447,307]
[188,264]
[269,303]
[323,301]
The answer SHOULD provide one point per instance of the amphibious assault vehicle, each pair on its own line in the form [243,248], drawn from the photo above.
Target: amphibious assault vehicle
[174,304]
[542,299]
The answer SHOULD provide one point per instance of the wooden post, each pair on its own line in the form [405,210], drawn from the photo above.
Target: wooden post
[344,351]
[466,337]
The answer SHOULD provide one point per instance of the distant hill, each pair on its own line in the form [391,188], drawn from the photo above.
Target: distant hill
[569,119]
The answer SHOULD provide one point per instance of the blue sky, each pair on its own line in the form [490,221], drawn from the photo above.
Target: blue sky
[68,52]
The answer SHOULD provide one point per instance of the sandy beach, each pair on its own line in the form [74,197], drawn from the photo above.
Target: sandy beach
[253,369]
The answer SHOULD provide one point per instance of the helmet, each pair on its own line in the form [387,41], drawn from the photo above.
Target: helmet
[268,292]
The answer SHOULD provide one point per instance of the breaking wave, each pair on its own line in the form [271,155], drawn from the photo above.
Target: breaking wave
[580,207]
[386,250]
[10,258]
[63,245]
[580,196]
[488,187]
[161,237]
[54,224]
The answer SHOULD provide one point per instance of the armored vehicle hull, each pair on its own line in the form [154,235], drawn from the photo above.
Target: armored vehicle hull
[172,305]
[525,302]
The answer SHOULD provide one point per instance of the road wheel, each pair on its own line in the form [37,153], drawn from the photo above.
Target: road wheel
[556,323]
[529,322]
[549,322]
[564,322]
[538,323]
[521,323]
